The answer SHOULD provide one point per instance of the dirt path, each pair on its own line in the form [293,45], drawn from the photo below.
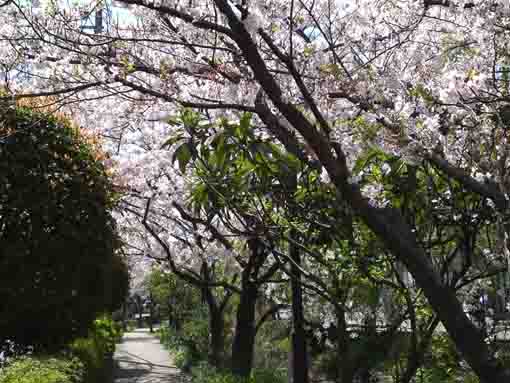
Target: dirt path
[140,358]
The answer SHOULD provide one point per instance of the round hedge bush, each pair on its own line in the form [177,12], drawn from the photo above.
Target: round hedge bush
[59,262]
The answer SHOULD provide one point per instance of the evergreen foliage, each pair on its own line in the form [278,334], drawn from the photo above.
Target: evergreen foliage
[59,262]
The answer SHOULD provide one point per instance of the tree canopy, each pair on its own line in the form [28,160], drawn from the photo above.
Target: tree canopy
[384,122]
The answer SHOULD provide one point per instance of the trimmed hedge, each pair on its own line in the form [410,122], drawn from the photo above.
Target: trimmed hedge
[60,264]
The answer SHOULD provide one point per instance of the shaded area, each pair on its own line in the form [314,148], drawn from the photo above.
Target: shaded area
[140,358]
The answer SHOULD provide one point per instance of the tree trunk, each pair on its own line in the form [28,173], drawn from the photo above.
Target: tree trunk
[299,352]
[244,337]
[151,313]
[217,341]
[124,316]
[345,371]
[468,339]
[140,313]
[170,315]
[216,321]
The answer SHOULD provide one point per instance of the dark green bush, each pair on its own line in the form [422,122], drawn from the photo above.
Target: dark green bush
[59,263]
[43,370]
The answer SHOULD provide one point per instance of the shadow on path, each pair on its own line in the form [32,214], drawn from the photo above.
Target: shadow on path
[140,358]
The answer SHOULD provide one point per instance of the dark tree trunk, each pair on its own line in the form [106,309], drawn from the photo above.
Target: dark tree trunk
[243,346]
[140,318]
[299,352]
[124,316]
[364,369]
[216,321]
[416,358]
[151,313]
[139,306]
[217,341]
[244,337]
[345,371]
[170,315]
[468,339]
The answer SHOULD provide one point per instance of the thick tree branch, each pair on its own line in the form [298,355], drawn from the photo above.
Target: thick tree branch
[289,63]
[54,92]
[487,190]
[187,104]
[165,10]
[251,53]
[273,310]
[213,230]
[193,279]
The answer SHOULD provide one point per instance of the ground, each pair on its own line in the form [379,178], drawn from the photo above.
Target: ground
[140,358]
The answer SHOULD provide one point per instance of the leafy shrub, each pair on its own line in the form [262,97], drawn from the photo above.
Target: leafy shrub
[195,332]
[269,376]
[107,332]
[59,261]
[165,335]
[182,359]
[191,344]
[131,324]
[43,370]
[10,350]
[171,341]
[92,356]
[95,350]
[273,345]
[204,373]
[88,359]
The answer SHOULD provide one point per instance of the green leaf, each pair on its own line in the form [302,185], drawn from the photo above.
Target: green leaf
[244,123]
[220,150]
[189,118]
[183,155]
[171,141]
[218,140]
[245,167]
[366,158]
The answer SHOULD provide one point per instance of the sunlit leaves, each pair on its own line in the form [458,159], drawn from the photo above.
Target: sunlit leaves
[183,155]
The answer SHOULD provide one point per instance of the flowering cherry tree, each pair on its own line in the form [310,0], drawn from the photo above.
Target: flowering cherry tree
[329,80]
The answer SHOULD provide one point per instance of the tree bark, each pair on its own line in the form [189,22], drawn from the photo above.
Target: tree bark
[217,341]
[244,337]
[124,316]
[170,315]
[299,351]
[345,371]
[151,313]
[468,339]
[216,322]
[243,346]
[415,359]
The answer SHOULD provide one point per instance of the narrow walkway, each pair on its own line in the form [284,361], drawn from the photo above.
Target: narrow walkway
[140,358]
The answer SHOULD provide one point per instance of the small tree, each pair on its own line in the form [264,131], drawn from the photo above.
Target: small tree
[59,262]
